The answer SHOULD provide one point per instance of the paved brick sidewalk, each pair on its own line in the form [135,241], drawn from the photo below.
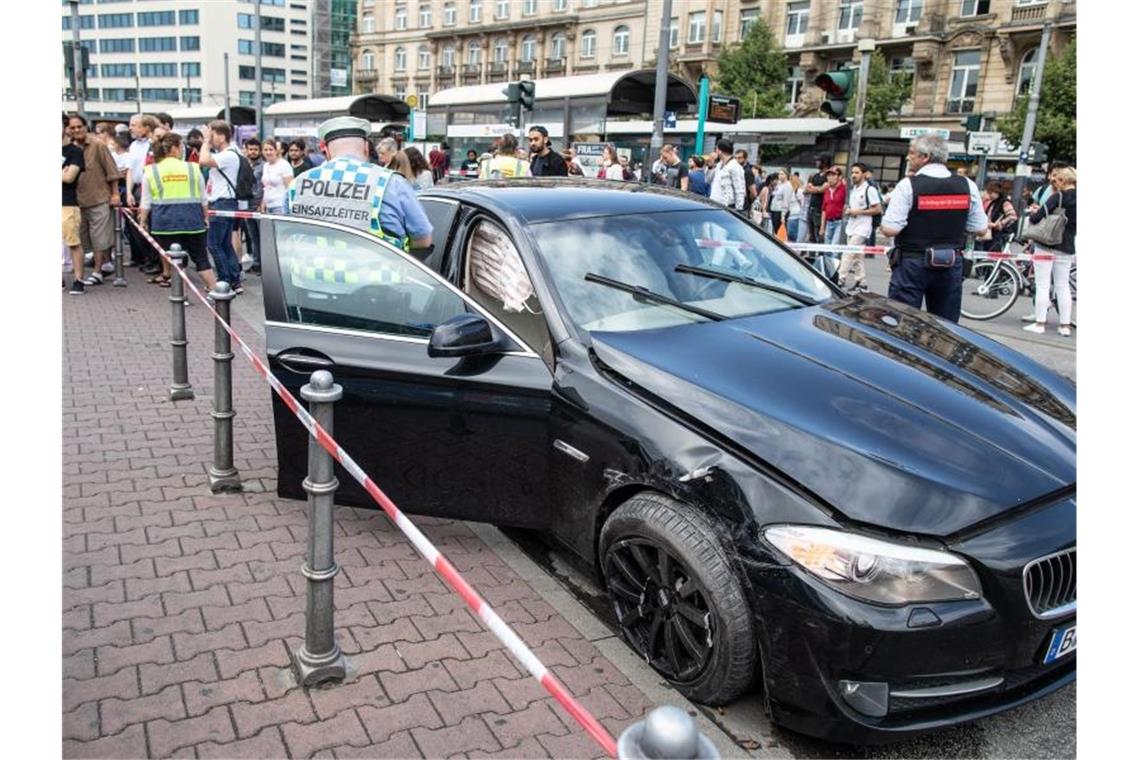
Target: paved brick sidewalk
[180,608]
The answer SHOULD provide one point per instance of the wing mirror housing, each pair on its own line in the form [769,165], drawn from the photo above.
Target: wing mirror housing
[462,335]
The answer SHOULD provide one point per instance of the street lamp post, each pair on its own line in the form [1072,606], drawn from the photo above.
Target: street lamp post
[77,58]
[662,84]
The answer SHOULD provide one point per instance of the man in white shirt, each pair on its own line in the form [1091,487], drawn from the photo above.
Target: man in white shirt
[863,203]
[728,182]
[142,127]
[221,159]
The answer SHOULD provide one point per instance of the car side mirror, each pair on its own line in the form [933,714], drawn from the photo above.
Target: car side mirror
[462,335]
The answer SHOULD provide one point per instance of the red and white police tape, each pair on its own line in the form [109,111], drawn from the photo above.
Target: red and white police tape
[423,545]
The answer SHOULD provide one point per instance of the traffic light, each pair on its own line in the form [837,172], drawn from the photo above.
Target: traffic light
[513,91]
[973,123]
[526,94]
[69,64]
[1038,153]
[838,86]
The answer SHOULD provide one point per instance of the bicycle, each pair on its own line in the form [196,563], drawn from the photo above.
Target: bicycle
[991,287]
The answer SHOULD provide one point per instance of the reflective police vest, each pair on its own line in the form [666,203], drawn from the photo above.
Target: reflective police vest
[175,197]
[344,190]
[503,167]
[331,264]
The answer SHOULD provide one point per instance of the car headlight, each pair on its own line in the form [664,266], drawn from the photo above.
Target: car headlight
[877,571]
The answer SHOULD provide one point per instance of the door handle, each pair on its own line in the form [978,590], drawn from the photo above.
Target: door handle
[304,362]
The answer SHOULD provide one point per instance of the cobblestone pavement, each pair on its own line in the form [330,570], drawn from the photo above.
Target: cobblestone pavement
[180,607]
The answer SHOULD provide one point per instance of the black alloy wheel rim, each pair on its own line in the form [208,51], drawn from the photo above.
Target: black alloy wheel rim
[662,608]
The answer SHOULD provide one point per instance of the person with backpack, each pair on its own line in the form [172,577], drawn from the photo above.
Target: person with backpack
[230,181]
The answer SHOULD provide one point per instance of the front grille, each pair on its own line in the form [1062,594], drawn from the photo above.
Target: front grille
[1051,584]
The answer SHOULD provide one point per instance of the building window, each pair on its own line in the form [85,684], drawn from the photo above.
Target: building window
[589,43]
[151,70]
[674,33]
[902,70]
[190,43]
[560,5]
[501,50]
[126,45]
[909,11]
[188,18]
[160,94]
[191,94]
[85,22]
[747,19]
[530,7]
[502,8]
[528,47]
[423,58]
[118,20]
[964,81]
[1026,70]
[589,3]
[474,53]
[401,92]
[119,94]
[367,60]
[558,46]
[449,57]
[850,14]
[157,44]
[156,18]
[425,17]
[475,12]
[798,18]
[368,24]
[117,70]
[975,7]
[401,59]
[718,25]
[793,85]
[401,18]
[449,14]
[192,69]
[267,74]
[621,41]
[696,27]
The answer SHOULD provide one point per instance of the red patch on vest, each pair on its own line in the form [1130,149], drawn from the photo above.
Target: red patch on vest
[943,202]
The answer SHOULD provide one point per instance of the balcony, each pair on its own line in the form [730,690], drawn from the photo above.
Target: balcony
[365,77]
[499,67]
[554,65]
[445,72]
[524,67]
[1028,14]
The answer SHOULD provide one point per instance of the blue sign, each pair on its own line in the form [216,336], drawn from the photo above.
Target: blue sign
[670,119]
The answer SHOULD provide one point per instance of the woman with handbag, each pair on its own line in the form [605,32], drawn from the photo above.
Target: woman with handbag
[1002,215]
[1053,226]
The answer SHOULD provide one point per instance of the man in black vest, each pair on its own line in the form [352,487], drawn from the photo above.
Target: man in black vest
[929,216]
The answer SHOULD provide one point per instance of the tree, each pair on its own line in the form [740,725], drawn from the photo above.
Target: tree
[1056,110]
[754,71]
[885,95]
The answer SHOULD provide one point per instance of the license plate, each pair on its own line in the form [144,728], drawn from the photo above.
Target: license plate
[1062,642]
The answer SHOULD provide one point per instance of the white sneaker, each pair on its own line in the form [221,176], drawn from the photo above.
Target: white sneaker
[95,278]
[107,267]
[1030,317]
[1035,328]
[246,262]
[1064,331]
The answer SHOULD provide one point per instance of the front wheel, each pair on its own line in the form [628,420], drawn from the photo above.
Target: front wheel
[677,599]
[990,290]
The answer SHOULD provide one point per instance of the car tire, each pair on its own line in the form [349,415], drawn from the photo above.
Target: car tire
[699,578]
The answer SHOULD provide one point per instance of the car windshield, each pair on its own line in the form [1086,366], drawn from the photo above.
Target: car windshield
[659,253]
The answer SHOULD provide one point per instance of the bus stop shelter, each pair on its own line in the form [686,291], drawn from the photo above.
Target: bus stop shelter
[572,108]
[300,118]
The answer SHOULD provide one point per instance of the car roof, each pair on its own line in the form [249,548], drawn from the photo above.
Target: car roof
[550,199]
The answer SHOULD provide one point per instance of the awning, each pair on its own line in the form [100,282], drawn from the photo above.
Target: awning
[626,92]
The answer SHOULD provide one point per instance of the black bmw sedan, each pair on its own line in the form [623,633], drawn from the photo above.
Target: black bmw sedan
[865,511]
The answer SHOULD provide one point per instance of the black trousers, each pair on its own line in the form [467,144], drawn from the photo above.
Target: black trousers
[815,218]
[912,281]
[142,252]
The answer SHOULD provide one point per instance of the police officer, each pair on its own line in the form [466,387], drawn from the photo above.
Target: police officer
[349,190]
[929,215]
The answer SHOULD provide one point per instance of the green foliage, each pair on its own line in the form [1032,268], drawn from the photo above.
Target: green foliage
[885,96]
[754,71]
[1056,110]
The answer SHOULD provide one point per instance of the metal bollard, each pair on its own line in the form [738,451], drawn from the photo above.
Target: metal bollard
[180,388]
[667,733]
[120,280]
[222,474]
[319,658]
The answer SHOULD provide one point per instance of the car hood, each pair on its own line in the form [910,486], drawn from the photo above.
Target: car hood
[891,416]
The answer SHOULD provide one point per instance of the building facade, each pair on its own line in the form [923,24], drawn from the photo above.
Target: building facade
[157,55]
[960,56]
[334,22]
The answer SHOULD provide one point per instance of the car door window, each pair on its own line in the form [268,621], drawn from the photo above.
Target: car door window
[334,278]
[441,213]
[495,277]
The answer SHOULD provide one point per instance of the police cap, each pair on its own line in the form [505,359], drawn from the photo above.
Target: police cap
[343,126]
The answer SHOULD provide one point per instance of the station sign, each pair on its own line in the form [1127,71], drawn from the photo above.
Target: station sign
[912,132]
[723,109]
